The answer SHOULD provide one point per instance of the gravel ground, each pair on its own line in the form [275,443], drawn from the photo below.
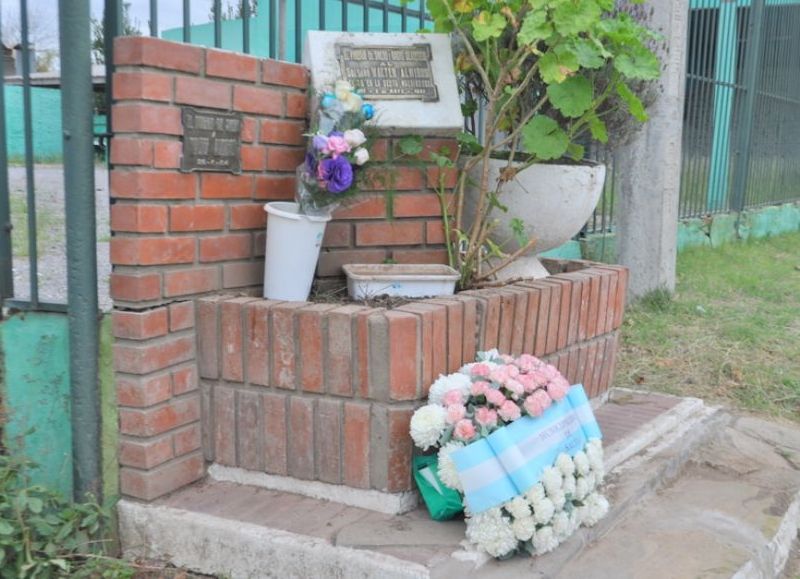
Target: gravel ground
[52,274]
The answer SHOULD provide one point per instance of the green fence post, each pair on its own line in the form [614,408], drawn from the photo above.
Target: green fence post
[724,91]
[76,114]
[6,260]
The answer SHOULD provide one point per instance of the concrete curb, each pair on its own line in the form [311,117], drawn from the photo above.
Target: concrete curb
[388,503]
[210,544]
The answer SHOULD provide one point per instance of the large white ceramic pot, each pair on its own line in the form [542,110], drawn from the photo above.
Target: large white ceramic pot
[553,201]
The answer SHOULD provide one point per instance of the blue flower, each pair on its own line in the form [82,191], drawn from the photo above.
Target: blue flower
[368,111]
[327,100]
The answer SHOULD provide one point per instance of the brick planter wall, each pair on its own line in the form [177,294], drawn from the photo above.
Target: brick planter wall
[320,392]
[325,392]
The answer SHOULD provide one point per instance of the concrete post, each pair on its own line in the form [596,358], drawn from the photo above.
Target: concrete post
[649,167]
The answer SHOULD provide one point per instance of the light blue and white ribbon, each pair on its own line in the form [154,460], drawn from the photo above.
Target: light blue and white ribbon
[509,461]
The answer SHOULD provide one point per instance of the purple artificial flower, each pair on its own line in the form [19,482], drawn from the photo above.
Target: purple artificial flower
[336,134]
[311,164]
[337,173]
[319,142]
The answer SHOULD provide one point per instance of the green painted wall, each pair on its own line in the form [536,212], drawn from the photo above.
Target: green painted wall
[36,394]
[46,117]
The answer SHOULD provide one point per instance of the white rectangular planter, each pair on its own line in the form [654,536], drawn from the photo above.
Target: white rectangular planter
[366,281]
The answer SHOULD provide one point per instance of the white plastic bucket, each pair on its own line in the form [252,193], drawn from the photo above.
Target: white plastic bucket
[293,242]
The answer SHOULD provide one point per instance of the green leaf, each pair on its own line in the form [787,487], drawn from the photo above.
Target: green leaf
[576,16]
[410,145]
[639,63]
[35,504]
[469,143]
[598,129]
[487,25]
[6,528]
[535,27]
[557,64]
[573,97]
[576,151]
[544,138]
[589,52]
[635,106]
[518,229]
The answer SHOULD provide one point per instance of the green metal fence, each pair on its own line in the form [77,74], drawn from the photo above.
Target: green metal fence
[742,111]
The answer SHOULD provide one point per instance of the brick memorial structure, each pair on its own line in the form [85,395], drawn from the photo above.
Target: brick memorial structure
[313,396]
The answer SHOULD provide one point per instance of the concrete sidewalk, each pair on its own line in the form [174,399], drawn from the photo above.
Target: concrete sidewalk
[695,492]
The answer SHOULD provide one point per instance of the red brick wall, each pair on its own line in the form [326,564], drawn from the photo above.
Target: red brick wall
[325,392]
[177,236]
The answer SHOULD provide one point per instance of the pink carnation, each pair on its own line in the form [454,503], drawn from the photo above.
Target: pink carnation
[509,411]
[455,412]
[513,371]
[336,146]
[506,358]
[500,374]
[528,382]
[527,363]
[486,417]
[539,377]
[452,397]
[464,430]
[515,388]
[558,388]
[482,370]
[550,372]
[495,397]
[479,388]
[537,403]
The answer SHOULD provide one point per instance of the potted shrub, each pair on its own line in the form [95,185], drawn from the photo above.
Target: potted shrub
[546,76]
[337,149]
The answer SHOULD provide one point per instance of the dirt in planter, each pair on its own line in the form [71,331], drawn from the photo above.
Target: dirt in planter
[334,291]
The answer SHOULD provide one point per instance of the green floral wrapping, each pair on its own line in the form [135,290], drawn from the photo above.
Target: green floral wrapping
[443,503]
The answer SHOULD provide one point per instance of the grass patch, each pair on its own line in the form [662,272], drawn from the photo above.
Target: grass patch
[49,227]
[729,334]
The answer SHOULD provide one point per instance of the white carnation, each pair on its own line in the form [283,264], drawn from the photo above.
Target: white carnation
[552,479]
[581,463]
[581,488]
[518,508]
[535,493]
[599,475]
[492,532]
[591,481]
[447,466]
[524,528]
[597,508]
[427,425]
[544,540]
[558,498]
[445,384]
[569,485]
[563,526]
[543,511]
[581,513]
[565,465]
[594,452]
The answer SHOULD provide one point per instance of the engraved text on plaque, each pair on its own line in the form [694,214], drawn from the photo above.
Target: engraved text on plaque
[211,141]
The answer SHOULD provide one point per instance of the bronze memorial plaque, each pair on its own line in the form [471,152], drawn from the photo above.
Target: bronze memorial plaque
[389,72]
[211,141]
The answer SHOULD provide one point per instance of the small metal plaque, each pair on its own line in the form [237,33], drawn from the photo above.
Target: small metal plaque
[389,72]
[212,141]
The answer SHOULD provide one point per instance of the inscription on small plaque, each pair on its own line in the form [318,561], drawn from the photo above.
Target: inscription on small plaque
[211,141]
[389,72]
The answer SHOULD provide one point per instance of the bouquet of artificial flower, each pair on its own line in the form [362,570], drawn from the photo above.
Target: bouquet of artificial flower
[484,397]
[337,150]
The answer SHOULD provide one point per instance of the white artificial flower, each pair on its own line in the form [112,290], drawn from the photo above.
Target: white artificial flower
[535,493]
[492,532]
[599,475]
[524,528]
[552,479]
[581,463]
[562,525]
[342,89]
[488,355]
[427,425]
[361,156]
[544,540]
[591,481]
[597,506]
[352,103]
[581,488]
[448,473]
[444,384]
[559,499]
[565,465]
[354,137]
[569,485]
[543,511]
[594,451]
[518,507]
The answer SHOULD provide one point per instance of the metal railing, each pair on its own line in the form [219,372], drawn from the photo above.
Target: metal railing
[742,110]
